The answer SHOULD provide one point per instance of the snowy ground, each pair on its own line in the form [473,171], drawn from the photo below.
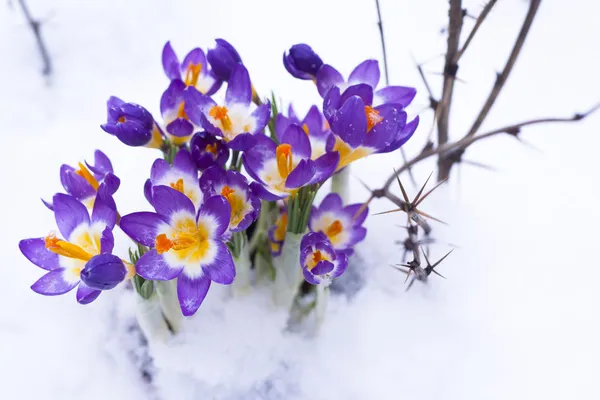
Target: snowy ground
[517,317]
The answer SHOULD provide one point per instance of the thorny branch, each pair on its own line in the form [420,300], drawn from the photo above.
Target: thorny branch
[482,16]
[36,29]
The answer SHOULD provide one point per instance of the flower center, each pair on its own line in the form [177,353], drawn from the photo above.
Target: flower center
[317,256]
[181,111]
[236,203]
[85,174]
[211,148]
[121,119]
[66,249]
[192,73]
[220,113]
[373,117]
[305,129]
[334,229]
[283,155]
[178,185]
[279,234]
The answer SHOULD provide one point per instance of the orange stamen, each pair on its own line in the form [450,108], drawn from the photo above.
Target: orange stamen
[163,244]
[192,73]
[305,129]
[211,148]
[181,111]
[283,155]
[177,185]
[86,174]
[317,256]
[334,229]
[373,117]
[220,113]
[227,191]
[66,249]
[121,119]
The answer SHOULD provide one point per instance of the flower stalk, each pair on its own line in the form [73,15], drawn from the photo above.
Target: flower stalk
[167,297]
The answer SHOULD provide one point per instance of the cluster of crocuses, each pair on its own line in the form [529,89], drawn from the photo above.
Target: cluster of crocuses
[207,207]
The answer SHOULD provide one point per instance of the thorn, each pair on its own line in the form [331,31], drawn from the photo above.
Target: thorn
[401,187]
[479,165]
[389,211]
[416,199]
[442,259]
[430,217]
[431,191]
[363,207]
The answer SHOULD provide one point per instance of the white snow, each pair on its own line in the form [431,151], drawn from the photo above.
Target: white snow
[517,317]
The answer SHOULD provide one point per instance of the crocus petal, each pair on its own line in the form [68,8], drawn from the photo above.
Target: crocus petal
[195,56]
[325,166]
[54,283]
[261,116]
[85,294]
[362,90]
[105,209]
[350,122]
[314,122]
[191,292]
[217,209]
[196,104]
[322,267]
[281,124]
[74,184]
[102,164]
[183,162]
[180,127]
[107,241]
[223,59]
[402,95]
[352,210]
[301,175]
[153,266]
[69,213]
[295,137]
[239,88]
[111,182]
[211,177]
[222,269]
[386,131]
[332,102]
[310,278]
[103,272]
[171,97]
[48,205]
[159,169]
[36,252]
[148,190]
[332,202]
[142,227]
[312,238]
[167,201]
[340,265]
[402,136]
[170,62]
[366,72]
[264,194]
[328,77]
[242,142]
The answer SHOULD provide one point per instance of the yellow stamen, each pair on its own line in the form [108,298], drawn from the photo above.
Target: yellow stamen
[66,249]
[211,148]
[236,203]
[373,117]
[192,73]
[220,113]
[281,224]
[305,129]
[177,185]
[86,174]
[283,155]
[334,229]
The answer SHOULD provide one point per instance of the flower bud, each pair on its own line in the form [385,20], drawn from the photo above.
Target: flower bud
[302,62]
[223,58]
[104,272]
[132,124]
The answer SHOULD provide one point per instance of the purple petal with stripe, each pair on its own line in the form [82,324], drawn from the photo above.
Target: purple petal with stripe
[295,137]
[141,227]
[242,142]
[310,278]
[180,127]
[85,294]
[223,59]
[314,122]
[159,169]
[170,62]
[340,264]
[322,267]
[239,88]
[402,95]
[191,292]
[264,194]
[281,124]
[153,266]
[107,241]
[35,251]
[111,182]
[351,211]
[216,208]
[196,104]
[301,175]
[332,202]
[74,184]
[386,131]
[362,90]
[148,190]
[69,213]
[350,122]
[105,209]
[331,103]
[328,77]
[184,163]
[53,283]
[102,165]
[222,269]
[167,201]
[325,166]
[402,137]
[171,97]
[195,56]
[366,72]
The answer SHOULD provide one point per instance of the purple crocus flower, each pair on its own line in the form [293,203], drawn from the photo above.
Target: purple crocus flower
[194,71]
[366,73]
[181,176]
[132,124]
[84,239]
[105,271]
[223,59]
[360,129]
[186,244]
[341,225]
[234,121]
[320,262]
[83,182]
[314,125]
[174,107]
[233,186]
[208,150]
[277,232]
[302,62]
[283,169]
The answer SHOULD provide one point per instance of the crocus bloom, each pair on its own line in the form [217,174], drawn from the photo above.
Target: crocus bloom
[186,244]
[233,186]
[174,108]
[360,129]
[320,262]
[277,232]
[105,271]
[366,73]
[83,182]
[283,169]
[341,225]
[314,125]
[132,124]
[193,71]
[302,62]
[181,176]
[84,238]
[208,150]
[234,121]
[223,59]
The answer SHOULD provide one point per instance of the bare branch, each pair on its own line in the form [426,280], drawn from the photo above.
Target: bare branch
[478,22]
[36,28]
[503,76]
